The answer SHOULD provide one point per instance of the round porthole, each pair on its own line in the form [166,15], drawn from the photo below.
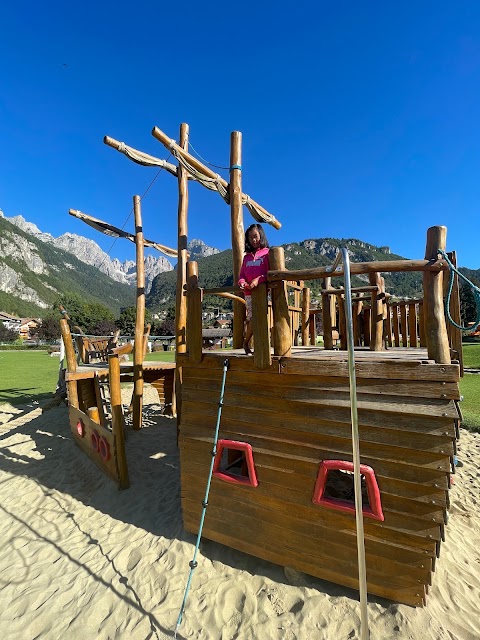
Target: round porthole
[94,440]
[80,428]
[104,449]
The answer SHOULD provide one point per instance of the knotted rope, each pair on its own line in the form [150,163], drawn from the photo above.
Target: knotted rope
[219,185]
[145,159]
[475,291]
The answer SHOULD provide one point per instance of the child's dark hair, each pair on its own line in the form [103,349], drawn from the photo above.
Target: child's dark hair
[263,238]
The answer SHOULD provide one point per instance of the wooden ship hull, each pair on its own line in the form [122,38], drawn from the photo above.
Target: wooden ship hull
[296,414]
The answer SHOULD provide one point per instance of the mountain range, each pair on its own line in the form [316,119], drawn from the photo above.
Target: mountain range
[35,268]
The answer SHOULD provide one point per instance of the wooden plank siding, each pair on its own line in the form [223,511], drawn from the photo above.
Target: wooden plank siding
[295,414]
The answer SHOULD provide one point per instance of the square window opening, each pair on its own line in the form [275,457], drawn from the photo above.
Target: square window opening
[340,486]
[234,463]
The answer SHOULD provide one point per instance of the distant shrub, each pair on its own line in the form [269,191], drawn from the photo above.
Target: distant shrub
[24,347]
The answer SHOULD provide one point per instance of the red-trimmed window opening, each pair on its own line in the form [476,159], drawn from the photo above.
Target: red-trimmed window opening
[234,463]
[334,488]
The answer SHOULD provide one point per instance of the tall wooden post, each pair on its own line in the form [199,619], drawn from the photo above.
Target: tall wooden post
[367,313]
[181,297]
[388,325]
[312,322]
[404,323]
[72,385]
[421,322]
[435,327]
[412,324]
[305,315]
[376,321]
[396,324]
[342,321]
[194,314]
[138,352]
[357,311]
[181,300]
[282,335]
[261,354]
[238,235]
[117,420]
[328,311]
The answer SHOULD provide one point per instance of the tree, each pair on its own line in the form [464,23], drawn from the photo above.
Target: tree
[126,321]
[468,308]
[89,316]
[7,335]
[165,327]
[104,328]
[98,316]
[48,329]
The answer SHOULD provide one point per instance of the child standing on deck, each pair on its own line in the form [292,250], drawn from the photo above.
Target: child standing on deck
[253,272]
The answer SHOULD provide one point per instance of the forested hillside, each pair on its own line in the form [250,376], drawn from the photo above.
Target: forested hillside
[34,273]
[216,271]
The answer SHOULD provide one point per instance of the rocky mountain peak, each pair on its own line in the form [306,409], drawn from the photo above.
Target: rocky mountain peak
[90,252]
[198,249]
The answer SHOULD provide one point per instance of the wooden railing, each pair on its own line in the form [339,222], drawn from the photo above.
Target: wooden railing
[378,323]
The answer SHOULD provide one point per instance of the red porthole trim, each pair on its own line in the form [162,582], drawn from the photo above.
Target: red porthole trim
[80,428]
[104,449]
[251,480]
[374,510]
[94,440]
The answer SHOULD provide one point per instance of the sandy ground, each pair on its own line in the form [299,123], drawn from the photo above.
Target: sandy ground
[80,559]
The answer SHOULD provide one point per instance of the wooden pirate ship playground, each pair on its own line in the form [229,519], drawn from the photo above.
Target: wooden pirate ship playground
[282,486]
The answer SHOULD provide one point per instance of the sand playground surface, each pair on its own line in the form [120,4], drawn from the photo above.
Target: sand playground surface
[80,559]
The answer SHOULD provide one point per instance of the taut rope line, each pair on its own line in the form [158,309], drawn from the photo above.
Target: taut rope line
[475,291]
[193,563]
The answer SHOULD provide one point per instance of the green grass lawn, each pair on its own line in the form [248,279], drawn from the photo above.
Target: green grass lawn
[159,356]
[470,389]
[471,355]
[31,376]
[27,376]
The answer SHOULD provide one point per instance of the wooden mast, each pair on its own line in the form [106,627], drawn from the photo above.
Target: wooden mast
[181,299]
[237,230]
[194,314]
[138,349]
[196,164]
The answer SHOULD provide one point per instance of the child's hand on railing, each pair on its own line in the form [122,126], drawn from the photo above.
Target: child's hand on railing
[254,283]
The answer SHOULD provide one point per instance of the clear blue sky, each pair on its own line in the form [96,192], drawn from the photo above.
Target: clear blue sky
[359,119]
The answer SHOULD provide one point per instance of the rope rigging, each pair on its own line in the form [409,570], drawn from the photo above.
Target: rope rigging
[140,157]
[220,185]
[203,159]
[475,291]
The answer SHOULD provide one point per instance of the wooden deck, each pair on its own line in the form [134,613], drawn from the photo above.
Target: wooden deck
[86,371]
[361,353]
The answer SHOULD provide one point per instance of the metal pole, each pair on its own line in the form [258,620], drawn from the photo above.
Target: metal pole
[362,572]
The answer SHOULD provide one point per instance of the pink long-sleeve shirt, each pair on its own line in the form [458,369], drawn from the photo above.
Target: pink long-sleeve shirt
[255,265]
